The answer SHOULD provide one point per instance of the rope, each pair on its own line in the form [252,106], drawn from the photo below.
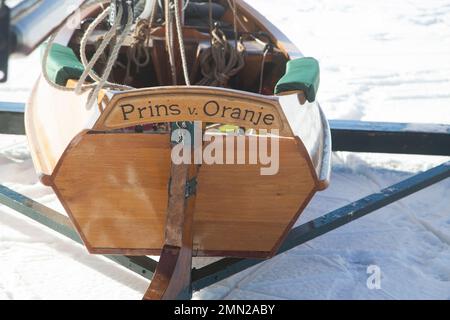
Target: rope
[114,55]
[235,24]
[267,46]
[138,49]
[46,54]
[169,40]
[263,64]
[141,35]
[83,86]
[181,43]
[210,17]
[221,61]
[236,16]
[153,14]
[88,66]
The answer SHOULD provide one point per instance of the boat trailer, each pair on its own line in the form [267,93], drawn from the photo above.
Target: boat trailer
[352,136]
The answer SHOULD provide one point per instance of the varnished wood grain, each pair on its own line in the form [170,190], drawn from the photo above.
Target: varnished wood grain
[176,206]
[52,119]
[173,274]
[118,199]
[250,211]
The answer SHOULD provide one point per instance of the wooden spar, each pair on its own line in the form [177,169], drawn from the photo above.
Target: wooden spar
[173,274]
[172,278]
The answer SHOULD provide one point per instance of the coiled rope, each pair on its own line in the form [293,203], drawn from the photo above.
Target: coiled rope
[221,60]
[137,51]
[89,65]
[112,59]
[101,82]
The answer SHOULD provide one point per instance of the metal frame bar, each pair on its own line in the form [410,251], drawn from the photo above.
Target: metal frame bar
[11,118]
[385,137]
[226,267]
[355,136]
[347,135]
[60,223]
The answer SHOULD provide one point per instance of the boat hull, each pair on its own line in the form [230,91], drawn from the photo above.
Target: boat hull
[113,182]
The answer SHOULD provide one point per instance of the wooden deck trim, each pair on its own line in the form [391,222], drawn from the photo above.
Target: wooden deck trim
[144,96]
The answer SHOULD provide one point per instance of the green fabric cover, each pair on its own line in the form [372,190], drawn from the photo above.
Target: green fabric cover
[301,74]
[63,64]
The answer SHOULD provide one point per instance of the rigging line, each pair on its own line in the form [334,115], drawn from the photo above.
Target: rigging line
[89,65]
[138,49]
[263,63]
[151,21]
[47,50]
[114,55]
[235,24]
[153,15]
[238,19]
[181,42]
[210,17]
[169,40]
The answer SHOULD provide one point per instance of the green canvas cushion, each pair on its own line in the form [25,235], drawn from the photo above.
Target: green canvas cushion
[63,64]
[301,74]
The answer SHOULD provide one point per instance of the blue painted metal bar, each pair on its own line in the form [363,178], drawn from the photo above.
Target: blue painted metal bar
[11,118]
[143,266]
[227,267]
[16,107]
[347,135]
[385,137]
[370,126]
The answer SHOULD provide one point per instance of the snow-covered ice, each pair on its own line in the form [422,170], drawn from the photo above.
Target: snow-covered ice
[380,61]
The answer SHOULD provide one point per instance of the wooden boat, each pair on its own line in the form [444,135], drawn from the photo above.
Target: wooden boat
[110,163]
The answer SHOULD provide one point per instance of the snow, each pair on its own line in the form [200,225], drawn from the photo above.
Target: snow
[380,61]
[424,127]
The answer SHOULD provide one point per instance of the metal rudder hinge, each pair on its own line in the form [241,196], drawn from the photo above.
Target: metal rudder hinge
[172,277]
[191,187]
